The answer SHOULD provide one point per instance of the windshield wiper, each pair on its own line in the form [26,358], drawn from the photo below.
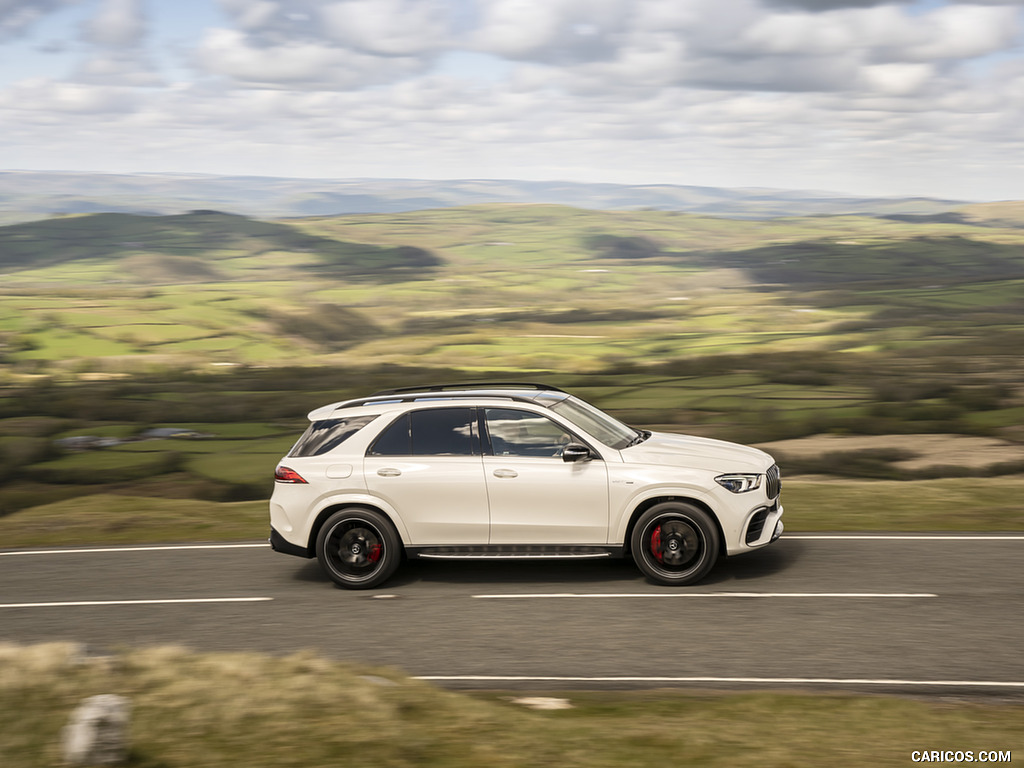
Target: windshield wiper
[641,435]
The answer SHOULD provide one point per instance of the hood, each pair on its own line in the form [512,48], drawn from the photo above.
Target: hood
[702,452]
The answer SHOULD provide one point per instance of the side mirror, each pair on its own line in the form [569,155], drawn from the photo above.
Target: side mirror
[576,452]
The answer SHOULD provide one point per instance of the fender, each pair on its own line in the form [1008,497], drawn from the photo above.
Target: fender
[623,516]
[353,499]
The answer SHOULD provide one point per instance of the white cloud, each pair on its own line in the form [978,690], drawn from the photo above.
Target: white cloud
[18,16]
[897,79]
[389,27]
[852,95]
[306,65]
[118,24]
[251,14]
[35,99]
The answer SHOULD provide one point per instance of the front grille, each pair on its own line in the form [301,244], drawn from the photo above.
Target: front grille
[756,525]
[774,482]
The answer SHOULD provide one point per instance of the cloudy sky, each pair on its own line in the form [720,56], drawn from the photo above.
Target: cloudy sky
[905,97]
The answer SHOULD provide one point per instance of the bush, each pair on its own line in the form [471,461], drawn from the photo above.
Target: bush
[102,467]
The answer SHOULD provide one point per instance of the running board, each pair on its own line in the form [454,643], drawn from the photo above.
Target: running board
[511,552]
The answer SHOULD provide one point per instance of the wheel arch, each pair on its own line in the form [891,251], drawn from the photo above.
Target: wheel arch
[330,509]
[646,504]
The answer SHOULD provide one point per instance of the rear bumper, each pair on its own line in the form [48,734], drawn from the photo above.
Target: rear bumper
[278,543]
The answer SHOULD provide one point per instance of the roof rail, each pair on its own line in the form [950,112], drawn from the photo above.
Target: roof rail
[469,385]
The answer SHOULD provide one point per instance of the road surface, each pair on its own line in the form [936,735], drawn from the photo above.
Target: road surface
[914,614]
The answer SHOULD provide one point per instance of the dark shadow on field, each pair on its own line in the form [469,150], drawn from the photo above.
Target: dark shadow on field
[566,575]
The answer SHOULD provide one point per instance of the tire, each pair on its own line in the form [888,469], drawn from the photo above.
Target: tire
[358,548]
[675,544]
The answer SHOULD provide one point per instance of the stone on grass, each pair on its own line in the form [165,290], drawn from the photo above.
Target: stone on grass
[98,732]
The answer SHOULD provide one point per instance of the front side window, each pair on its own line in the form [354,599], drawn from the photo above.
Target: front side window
[432,432]
[522,433]
[327,434]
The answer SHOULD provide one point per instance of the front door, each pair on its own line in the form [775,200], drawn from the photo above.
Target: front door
[536,497]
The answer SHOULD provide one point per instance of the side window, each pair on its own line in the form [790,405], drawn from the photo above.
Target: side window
[433,432]
[521,433]
[443,432]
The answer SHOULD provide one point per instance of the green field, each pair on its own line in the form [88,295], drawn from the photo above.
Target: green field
[112,324]
[497,288]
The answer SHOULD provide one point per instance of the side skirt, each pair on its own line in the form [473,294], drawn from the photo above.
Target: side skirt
[516,552]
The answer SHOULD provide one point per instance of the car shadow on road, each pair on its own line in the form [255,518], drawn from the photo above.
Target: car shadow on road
[568,575]
[759,564]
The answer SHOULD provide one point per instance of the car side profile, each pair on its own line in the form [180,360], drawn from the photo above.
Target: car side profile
[513,471]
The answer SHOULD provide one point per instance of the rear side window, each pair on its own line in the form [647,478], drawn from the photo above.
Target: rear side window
[326,435]
[435,432]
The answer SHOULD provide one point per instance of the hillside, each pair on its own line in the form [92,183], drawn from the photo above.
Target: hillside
[26,195]
[233,328]
[504,287]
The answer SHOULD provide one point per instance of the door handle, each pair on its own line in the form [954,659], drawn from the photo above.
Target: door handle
[389,472]
[505,473]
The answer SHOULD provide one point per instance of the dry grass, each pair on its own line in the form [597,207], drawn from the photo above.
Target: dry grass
[929,450]
[950,504]
[112,519]
[212,710]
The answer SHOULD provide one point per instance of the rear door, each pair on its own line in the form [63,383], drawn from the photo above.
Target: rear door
[428,466]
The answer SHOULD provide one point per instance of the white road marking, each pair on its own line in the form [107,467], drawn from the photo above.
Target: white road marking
[556,595]
[712,680]
[264,545]
[904,537]
[131,549]
[76,603]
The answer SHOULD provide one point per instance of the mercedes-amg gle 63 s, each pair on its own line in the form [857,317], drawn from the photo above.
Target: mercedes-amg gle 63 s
[503,471]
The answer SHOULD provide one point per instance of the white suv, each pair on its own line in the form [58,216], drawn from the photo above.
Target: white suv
[504,471]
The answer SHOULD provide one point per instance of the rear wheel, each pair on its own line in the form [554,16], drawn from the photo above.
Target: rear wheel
[675,543]
[358,548]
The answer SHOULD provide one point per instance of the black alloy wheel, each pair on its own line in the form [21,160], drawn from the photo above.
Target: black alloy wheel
[675,543]
[358,548]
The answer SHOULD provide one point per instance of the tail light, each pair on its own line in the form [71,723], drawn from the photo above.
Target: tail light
[286,475]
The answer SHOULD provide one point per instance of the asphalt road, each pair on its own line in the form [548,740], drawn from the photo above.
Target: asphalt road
[921,615]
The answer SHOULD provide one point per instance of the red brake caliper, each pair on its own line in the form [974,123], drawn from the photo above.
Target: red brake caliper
[375,552]
[656,544]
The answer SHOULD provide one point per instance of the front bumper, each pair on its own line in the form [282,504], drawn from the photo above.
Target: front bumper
[764,526]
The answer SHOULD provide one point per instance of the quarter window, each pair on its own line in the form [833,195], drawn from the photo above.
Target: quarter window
[326,435]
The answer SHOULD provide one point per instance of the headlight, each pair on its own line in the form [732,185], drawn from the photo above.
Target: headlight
[739,483]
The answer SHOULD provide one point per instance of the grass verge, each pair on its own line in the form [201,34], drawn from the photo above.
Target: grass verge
[235,709]
[948,504]
[113,519]
[952,504]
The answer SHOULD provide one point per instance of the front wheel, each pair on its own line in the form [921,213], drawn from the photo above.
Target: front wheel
[675,543]
[358,548]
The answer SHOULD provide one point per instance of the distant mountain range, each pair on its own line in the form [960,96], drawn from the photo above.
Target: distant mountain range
[28,195]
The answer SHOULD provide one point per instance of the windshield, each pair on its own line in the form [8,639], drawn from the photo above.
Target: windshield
[596,422]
